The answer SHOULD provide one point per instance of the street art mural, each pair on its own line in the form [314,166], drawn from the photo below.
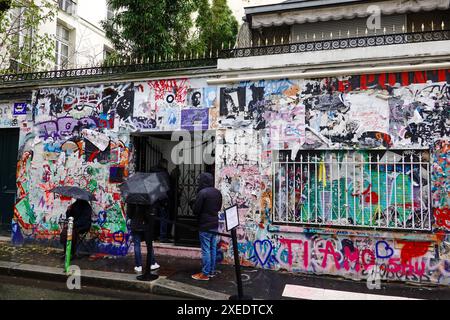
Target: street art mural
[75,140]
[349,154]
[326,181]
[161,104]
[12,115]
[81,136]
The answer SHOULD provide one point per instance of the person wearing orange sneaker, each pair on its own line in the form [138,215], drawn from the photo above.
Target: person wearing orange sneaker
[207,206]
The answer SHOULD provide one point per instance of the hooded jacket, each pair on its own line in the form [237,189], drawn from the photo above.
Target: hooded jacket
[208,203]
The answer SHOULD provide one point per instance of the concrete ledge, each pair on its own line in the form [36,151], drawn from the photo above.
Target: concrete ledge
[161,286]
[173,288]
[165,249]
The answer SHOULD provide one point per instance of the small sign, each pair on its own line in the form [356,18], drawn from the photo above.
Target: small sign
[20,109]
[231,217]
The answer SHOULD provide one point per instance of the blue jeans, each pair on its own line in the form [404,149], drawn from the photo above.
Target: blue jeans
[137,237]
[208,244]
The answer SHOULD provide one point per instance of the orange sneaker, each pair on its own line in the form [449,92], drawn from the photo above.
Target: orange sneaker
[200,276]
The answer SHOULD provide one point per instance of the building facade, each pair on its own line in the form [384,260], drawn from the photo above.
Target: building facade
[336,151]
[76,31]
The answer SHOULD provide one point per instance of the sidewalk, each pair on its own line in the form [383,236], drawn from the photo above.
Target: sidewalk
[175,277]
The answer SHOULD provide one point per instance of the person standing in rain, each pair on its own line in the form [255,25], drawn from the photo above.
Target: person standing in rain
[139,226]
[162,205]
[206,207]
[81,211]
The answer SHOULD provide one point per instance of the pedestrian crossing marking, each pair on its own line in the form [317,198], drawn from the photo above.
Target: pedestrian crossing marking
[310,293]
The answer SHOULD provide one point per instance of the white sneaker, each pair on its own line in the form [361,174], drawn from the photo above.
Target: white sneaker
[138,269]
[155,266]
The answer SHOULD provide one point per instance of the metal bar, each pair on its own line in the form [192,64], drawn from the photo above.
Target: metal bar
[295,192]
[379,190]
[324,181]
[404,196]
[309,188]
[339,187]
[362,188]
[421,191]
[395,191]
[286,183]
[354,188]
[370,190]
[387,190]
[347,208]
[429,196]
[412,192]
[331,185]
[301,187]
[316,186]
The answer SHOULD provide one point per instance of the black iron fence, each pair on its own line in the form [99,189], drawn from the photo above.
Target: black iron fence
[99,71]
[334,44]
[209,60]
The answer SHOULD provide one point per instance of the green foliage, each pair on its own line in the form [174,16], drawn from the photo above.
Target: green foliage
[216,25]
[146,29]
[20,40]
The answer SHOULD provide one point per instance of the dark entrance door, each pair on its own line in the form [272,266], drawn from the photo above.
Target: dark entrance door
[184,180]
[9,141]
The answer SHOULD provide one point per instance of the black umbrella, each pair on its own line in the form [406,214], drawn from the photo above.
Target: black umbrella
[74,192]
[145,188]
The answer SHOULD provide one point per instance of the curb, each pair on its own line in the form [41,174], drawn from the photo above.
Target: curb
[161,286]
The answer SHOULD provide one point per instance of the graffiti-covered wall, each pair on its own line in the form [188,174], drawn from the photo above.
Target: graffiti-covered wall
[81,136]
[336,118]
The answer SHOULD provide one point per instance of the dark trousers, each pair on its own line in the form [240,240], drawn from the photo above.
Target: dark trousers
[163,215]
[75,238]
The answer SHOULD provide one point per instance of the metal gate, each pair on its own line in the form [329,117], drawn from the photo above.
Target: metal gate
[184,180]
[186,192]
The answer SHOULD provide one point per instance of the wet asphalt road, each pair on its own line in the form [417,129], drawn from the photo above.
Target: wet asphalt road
[16,288]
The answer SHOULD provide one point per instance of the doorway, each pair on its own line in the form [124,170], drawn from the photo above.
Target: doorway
[149,150]
[9,141]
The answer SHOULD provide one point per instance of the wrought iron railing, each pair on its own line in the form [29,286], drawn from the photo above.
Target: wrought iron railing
[365,190]
[209,59]
[333,44]
[100,71]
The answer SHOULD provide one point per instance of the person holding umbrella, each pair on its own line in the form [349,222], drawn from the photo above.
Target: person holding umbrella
[138,226]
[146,189]
[80,210]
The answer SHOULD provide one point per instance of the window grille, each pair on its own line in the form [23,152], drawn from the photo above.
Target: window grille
[376,189]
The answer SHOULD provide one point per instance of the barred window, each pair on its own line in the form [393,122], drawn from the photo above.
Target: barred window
[366,189]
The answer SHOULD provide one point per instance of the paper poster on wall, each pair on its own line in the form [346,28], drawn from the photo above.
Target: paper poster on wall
[194,119]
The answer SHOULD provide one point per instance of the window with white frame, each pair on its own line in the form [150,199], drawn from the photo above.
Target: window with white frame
[62,47]
[68,6]
[367,189]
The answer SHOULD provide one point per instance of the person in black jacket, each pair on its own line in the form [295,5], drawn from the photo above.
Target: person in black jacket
[81,211]
[162,206]
[139,227]
[207,206]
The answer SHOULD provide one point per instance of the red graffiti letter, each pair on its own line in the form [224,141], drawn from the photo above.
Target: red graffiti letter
[329,249]
[351,256]
[367,265]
